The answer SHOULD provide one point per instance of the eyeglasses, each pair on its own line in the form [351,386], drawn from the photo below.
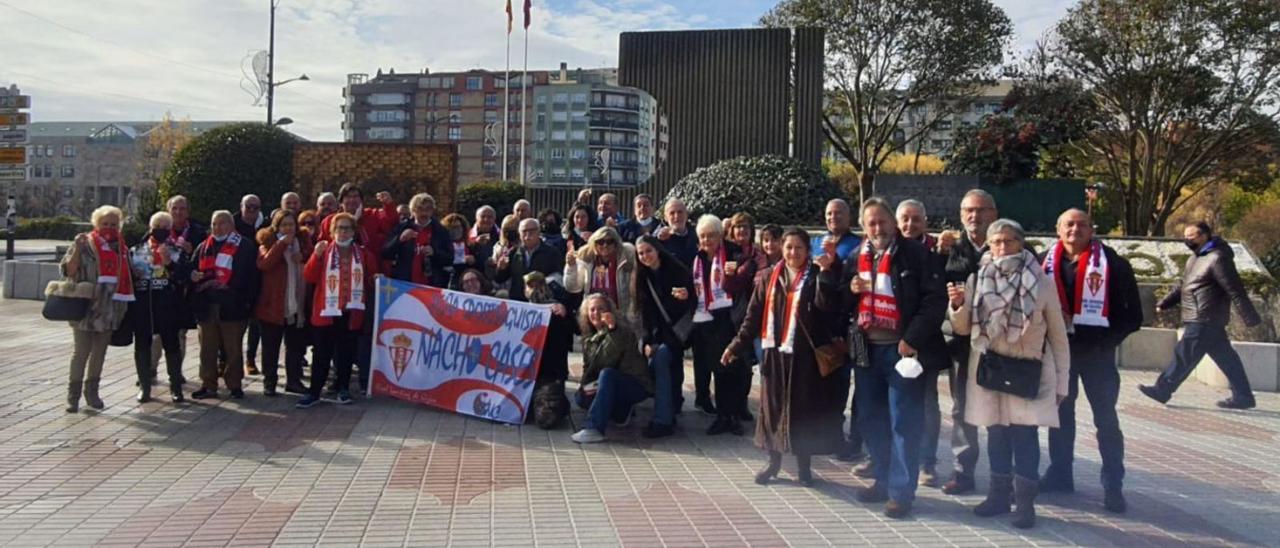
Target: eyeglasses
[606,242]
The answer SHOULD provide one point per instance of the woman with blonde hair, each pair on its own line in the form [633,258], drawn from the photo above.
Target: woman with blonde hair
[606,265]
[96,268]
[615,375]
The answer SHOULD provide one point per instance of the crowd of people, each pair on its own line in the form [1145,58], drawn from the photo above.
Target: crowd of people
[882,315]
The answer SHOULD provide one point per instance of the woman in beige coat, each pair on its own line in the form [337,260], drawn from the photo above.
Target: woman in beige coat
[1011,310]
[605,265]
[99,259]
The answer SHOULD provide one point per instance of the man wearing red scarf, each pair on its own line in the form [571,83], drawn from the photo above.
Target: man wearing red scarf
[1099,295]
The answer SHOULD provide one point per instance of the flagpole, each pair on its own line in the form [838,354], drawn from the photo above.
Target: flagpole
[506,101]
[524,81]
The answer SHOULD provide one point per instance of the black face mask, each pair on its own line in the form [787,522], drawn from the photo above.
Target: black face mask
[550,226]
[160,234]
[1192,245]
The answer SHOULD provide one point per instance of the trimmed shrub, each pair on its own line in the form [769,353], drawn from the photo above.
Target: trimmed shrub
[500,195]
[220,166]
[773,189]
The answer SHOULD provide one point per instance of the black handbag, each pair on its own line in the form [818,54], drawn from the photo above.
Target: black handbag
[1015,376]
[67,301]
[682,328]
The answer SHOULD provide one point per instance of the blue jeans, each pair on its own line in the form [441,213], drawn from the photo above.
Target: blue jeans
[616,394]
[891,421]
[663,362]
[1094,366]
[1014,449]
[1197,340]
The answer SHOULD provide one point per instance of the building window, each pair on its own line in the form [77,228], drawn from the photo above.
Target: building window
[386,133]
[557,154]
[577,174]
[68,151]
[68,192]
[475,82]
[388,98]
[540,100]
[388,116]
[455,100]
[558,135]
[579,135]
[455,117]
[539,135]
[491,100]
[490,116]
[68,172]
[539,154]
[560,98]
[557,174]
[455,134]
[580,98]
[490,166]
[560,116]
[578,153]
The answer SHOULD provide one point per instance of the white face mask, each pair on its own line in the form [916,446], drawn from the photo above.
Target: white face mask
[221,238]
[344,243]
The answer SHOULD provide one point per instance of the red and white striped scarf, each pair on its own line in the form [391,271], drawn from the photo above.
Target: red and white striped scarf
[714,298]
[113,267]
[879,308]
[333,287]
[221,262]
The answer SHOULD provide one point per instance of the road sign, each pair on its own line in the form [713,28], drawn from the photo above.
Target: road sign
[13,136]
[13,173]
[15,119]
[13,156]
[15,101]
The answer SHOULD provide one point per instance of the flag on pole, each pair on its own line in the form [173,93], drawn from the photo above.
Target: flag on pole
[528,5]
[510,17]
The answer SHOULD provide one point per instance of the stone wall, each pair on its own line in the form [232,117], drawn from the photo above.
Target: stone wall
[403,169]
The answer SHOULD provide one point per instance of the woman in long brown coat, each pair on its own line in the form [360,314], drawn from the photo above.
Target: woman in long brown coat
[800,409]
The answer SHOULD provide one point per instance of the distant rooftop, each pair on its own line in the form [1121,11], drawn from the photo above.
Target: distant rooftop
[132,129]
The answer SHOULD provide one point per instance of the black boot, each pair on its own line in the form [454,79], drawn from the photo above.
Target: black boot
[144,390]
[74,389]
[175,392]
[804,470]
[999,498]
[1024,493]
[771,470]
[91,393]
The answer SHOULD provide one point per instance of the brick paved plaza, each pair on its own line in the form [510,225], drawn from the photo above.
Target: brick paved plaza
[386,473]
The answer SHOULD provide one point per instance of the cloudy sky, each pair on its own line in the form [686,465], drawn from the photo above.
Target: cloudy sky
[136,59]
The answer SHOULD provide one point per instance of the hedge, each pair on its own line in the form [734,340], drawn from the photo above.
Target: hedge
[773,189]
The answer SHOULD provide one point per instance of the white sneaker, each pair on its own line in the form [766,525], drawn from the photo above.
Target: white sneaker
[587,435]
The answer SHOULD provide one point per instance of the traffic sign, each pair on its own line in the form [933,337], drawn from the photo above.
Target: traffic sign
[15,101]
[13,135]
[13,173]
[13,156]
[15,119]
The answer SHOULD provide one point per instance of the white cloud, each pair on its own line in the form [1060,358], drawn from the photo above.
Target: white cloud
[148,56]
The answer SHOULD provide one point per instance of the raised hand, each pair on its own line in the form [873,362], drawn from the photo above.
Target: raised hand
[955,294]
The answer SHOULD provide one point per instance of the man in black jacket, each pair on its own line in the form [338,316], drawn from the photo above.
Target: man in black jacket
[977,212]
[248,220]
[421,238]
[1210,285]
[1099,295]
[913,223]
[643,223]
[897,302]
[533,255]
[676,233]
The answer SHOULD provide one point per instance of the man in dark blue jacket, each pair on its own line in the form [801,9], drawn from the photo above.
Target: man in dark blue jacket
[1099,295]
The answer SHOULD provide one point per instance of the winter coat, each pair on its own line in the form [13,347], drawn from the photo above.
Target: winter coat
[1210,285]
[1044,339]
[105,313]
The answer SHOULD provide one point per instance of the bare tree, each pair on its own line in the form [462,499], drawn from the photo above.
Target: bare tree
[890,59]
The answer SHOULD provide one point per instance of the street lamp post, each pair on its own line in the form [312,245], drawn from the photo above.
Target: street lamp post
[271,67]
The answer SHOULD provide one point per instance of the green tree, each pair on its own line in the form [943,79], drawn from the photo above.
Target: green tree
[888,60]
[220,166]
[500,195]
[1185,94]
